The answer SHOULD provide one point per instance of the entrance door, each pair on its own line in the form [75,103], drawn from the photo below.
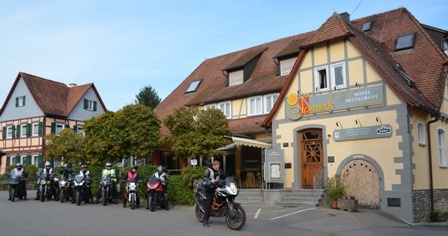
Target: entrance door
[312,155]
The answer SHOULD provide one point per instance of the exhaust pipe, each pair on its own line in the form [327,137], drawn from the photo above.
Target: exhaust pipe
[198,204]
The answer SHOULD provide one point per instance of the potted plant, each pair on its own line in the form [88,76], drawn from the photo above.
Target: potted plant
[335,189]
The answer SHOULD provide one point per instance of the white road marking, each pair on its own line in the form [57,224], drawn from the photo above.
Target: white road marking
[292,213]
[256,214]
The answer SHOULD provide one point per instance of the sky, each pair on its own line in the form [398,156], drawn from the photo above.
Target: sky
[123,46]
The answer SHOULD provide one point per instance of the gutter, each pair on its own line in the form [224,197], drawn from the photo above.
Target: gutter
[431,183]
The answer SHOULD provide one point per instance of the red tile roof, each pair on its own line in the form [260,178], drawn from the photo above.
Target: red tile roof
[53,98]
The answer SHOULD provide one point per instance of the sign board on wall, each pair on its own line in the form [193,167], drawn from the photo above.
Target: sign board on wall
[274,166]
[377,131]
[306,104]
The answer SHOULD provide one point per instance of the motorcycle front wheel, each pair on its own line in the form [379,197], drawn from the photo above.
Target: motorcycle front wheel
[12,193]
[42,194]
[62,195]
[78,197]
[238,220]
[152,203]
[132,201]
[199,213]
[105,197]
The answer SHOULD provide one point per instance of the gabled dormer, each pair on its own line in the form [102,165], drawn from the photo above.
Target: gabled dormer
[286,58]
[239,71]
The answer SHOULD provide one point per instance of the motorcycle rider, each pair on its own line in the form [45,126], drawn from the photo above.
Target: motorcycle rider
[66,173]
[211,176]
[132,174]
[111,172]
[19,171]
[163,179]
[46,172]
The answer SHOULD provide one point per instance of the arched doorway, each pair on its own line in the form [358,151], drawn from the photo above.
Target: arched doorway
[362,181]
[311,152]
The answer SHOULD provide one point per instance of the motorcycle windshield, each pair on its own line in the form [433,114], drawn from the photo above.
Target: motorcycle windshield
[153,180]
[105,178]
[230,180]
[14,177]
[79,178]
[131,180]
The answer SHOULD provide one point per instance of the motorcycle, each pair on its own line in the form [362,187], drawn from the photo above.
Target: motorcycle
[82,189]
[16,184]
[65,189]
[223,204]
[106,190]
[132,195]
[156,197]
[45,186]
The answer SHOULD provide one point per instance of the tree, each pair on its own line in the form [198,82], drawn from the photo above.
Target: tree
[66,146]
[148,97]
[197,132]
[133,130]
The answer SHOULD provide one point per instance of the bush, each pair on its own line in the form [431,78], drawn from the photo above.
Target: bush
[439,216]
[335,187]
[180,190]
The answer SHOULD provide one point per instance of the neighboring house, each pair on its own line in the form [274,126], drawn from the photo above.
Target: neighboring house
[36,107]
[366,99]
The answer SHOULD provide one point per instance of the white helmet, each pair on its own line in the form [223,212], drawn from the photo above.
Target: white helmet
[159,168]
[47,163]
[108,164]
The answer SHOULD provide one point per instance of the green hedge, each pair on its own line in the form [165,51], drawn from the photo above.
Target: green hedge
[180,190]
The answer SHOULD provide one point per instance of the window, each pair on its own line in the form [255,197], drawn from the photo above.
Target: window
[269,101]
[56,128]
[36,129]
[367,26]
[421,134]
[89,105]
[193,86]
[10,132]
[23,131]
[20,101]
[405,42]
[321,79]
[254,106]
[252,158]
[338,76]
[286,65]
[441,147]
[210,106]
[226,109]
[236,77]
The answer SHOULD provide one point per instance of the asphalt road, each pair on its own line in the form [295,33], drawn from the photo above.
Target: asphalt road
[54,218]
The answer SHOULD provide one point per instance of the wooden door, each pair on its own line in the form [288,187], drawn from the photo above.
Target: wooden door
[312,155]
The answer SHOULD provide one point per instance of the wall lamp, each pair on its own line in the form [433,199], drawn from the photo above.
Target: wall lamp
[339,124]
[358,122]
[379,120]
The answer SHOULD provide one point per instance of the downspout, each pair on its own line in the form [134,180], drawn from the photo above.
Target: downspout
[431,184]
[44,125]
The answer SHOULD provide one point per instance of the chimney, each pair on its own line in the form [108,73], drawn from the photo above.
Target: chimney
[71,85]
[345,16]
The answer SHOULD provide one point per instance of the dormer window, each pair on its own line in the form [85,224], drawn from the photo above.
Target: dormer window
[193,86]
[367,26]
[405,42]
[236,77]
[286,65]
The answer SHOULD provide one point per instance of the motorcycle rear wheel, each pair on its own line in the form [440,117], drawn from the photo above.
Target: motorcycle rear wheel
[199,213]
[105,197]
[238,221]
[132,201]
[12,193]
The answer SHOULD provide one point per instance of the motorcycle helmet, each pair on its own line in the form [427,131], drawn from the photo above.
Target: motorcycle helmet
[108,165]
[84,166]
[47,163]
[159,168]
[19,165]
[134,167]
[65,165]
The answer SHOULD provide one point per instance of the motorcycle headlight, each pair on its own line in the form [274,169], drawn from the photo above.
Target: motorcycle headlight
[43,182]
[48,182]
[233,188]
[62,183]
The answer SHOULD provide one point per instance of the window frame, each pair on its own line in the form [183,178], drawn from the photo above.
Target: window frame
[333,76]
[211,106]
[35,129]
[23,129]
[227,106]
[270,97]
[240,78]
[367,26]
[402,40]
[282,72]
[249,105]
[421,134]
[441,147]
[317,78]
[10,132]
[56,131]
[194,85]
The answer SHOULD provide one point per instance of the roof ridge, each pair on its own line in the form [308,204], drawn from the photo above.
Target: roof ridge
[42,78]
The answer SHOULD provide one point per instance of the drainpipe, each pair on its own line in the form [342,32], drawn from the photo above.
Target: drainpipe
[431,184]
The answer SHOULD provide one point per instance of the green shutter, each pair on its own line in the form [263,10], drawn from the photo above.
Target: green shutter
[18,131]
[41,128]
[17,101]
[17,159]
[75,128]
[94,106]
[53,128]
[86,103]
[39,161]
[67,126]
[28,160]
[24,100]
[8,160]
[28,129]
[4,133]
